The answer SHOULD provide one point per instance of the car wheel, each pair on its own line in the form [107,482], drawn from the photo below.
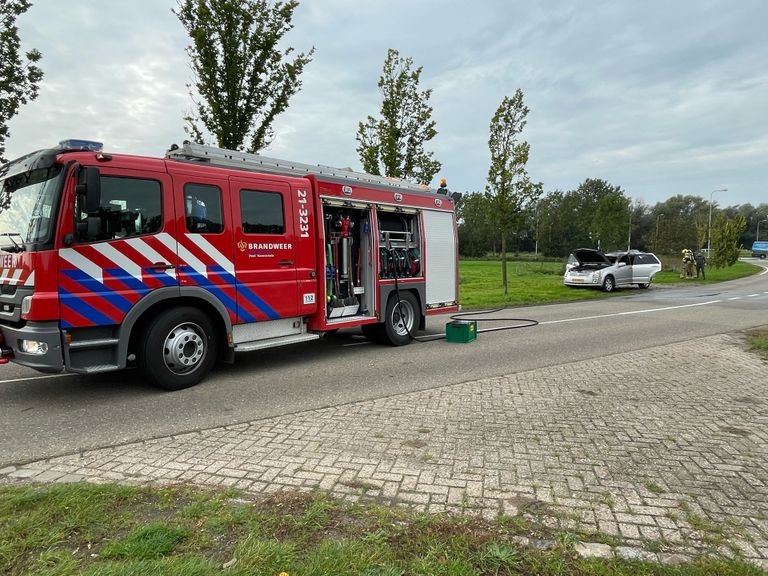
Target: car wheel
[609,284]
[762,256]
[400,320]
[179,348]
[643,286]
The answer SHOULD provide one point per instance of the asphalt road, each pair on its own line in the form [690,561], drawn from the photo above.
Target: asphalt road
[43,416]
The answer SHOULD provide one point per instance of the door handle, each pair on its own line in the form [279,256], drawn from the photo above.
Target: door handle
[285,263]
[162,266]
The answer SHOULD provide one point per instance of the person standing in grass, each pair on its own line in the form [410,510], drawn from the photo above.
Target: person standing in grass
[700,262]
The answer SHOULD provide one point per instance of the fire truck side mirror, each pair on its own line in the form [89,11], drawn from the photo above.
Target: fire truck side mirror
[89,185]
[456,196]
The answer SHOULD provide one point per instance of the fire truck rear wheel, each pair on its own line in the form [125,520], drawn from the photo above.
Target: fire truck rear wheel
[179,348]
[400,320]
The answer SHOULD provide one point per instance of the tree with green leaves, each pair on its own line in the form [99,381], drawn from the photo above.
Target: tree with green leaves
[725,240]
[472,217]
[393,145]
[19,75]
[605,212]
[510,190]
[243,79]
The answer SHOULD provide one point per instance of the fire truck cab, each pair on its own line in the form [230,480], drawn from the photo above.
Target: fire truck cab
[174,263]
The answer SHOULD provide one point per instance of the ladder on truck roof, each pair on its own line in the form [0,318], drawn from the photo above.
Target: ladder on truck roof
[224,158]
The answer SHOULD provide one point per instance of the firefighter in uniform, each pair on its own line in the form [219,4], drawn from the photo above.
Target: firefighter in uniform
[687,271]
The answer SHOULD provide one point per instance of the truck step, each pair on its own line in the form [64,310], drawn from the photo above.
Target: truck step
[274,342]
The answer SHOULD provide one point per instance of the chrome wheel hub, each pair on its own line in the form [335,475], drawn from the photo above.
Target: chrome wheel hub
[184,348]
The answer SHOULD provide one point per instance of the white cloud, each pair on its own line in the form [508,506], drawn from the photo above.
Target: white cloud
[658,98]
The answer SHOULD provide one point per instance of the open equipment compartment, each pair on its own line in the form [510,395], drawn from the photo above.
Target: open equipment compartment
[349,281]
[399,244]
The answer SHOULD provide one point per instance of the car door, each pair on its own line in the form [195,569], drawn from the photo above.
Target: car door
[623,273]
[265,260]
[642,268]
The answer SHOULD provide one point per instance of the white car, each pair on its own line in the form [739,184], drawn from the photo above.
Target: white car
[587,267]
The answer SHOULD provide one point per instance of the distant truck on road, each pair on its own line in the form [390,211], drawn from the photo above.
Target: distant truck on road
[759,250]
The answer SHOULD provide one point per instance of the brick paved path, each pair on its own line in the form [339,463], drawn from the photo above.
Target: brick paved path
[668,445]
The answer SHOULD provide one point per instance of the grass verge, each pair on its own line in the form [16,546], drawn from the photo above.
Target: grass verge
[532,282]
[116,530]
[758,342]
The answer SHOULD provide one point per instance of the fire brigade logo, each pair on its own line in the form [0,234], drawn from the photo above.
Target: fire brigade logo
[438,202]
[398,197]
[242,245]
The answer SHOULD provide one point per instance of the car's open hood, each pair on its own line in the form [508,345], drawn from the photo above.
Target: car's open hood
[590,256]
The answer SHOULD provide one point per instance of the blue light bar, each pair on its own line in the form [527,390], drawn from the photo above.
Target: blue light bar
[73,144]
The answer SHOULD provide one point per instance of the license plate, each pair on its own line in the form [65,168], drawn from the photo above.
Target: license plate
[577,280]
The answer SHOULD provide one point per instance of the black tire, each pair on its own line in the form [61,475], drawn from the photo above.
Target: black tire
[609,284]
[179,348]
[400,320]
[762,256]
[643,286]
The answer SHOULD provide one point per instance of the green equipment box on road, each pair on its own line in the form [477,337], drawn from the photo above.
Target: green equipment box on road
[462,331]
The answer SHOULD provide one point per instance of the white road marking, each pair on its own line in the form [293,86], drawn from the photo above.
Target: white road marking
[629,313]
[752,295]
[38,378]
[735,298]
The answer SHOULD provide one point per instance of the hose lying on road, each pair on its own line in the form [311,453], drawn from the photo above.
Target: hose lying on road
[524,322]
[475,316]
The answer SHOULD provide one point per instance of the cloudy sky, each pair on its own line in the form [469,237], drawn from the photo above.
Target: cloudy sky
[658,97]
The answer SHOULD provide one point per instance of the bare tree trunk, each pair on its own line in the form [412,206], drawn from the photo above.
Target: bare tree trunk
[504,263]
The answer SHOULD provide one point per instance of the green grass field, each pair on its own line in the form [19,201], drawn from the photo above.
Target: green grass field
[108,530]
[542,282]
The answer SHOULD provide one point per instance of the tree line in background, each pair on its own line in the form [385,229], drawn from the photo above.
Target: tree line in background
[244,78]
[600,215]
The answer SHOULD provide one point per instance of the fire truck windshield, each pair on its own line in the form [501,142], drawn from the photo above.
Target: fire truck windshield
[28,207]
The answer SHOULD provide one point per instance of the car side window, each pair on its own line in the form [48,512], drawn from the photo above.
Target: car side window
[624,259]
[645,259]
[129,207]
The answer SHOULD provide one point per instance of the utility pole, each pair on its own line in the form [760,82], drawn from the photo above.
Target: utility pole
[656,242]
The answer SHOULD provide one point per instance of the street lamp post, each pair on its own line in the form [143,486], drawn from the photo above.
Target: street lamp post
[758,229]
[656,243]
[709,224]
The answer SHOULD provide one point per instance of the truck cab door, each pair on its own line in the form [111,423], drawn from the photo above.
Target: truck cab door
[204,225]
[265,250]
[109,261]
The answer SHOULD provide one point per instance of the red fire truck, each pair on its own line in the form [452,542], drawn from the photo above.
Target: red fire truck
[174,263]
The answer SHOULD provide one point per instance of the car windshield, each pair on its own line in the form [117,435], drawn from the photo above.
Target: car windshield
[27,203]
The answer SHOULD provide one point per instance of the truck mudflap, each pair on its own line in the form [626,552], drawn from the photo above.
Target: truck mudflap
[42,337]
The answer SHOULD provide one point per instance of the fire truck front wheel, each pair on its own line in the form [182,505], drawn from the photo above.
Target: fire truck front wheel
[178,348]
